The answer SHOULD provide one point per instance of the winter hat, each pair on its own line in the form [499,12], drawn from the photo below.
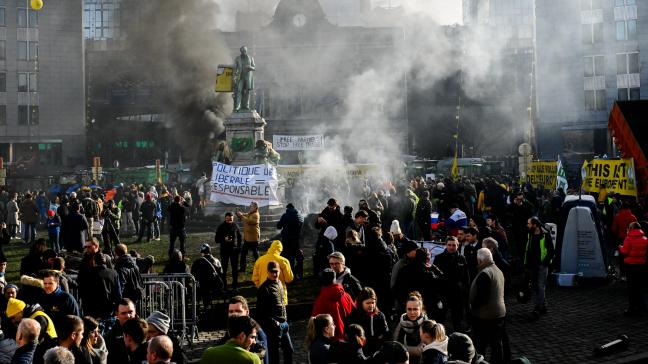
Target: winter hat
[14,306]
[408,246]
[330,233]
[395,228]
[11,286]
[460,347]
[50,213]
[440,186]
[205,249]
[160,321]
[327,277]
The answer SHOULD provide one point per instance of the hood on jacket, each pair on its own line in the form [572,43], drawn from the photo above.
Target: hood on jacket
[636,233]
[332,292]
[275,248]
[440,346]
[125,261]
[330,233]
[339,278]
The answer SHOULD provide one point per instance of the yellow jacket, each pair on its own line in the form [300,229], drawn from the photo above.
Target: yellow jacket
[260,272]
[51,331]
[251,226]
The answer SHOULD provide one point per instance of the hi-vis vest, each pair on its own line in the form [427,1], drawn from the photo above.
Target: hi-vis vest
[51,331]
[543,248]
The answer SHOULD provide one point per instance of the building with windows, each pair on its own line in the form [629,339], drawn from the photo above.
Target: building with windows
[42,112]
[589,54]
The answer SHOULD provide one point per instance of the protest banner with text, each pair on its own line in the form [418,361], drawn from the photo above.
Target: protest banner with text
[614,175]
[543,174]
[241,185]
[297,142]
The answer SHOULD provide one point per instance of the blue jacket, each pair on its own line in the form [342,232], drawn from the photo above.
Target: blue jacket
[291,223]
[24,354]
[54,224]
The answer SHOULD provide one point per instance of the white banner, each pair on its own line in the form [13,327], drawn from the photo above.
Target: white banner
[297,142]
[241,185]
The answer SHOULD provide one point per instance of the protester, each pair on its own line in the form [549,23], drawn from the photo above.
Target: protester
[75,229]
[99,288]
[160,350]
[634,250]
[209,275]
[271,312]
[435,343]
[259,274]
[333,300]
[8,347]
[538,255]
[58,355]
[29,216]
[319,337]
[135,340]
[27,339]
[178,212]
[115,344]
[343,274]
[176,264]
[407,331]
[487,307]
[456,281]
[371,319]
[70,337]
[290,224]
[228,237]
[53,224]
[462,351]
[56,303]
[92,344]
[17,311]
[349,350]
[242,330]
[251,233]
[238,306]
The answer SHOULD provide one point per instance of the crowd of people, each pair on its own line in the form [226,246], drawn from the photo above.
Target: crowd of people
[385,295]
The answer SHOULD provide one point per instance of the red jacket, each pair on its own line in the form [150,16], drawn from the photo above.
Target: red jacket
[634,247]
[337,303]
[620,223]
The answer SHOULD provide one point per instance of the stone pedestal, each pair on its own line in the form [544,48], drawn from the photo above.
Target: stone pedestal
[242,130]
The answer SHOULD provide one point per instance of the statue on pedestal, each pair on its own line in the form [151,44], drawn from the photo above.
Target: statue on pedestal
[243,80]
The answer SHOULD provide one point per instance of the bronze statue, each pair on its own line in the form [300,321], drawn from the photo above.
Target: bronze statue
[263,153]
[243,80]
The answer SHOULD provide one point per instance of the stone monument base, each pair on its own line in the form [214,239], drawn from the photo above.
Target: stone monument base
[242,130]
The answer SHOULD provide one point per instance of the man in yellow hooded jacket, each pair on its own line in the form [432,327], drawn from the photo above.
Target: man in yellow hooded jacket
[260,272]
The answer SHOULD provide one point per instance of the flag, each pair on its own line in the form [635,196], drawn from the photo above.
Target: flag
[561,183]
[454,171]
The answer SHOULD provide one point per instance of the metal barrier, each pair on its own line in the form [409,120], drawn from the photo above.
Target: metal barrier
[174,294]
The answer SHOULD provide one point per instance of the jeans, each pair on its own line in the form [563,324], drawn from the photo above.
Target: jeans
[109,236]
[177,233]
[30,233]
[156,229]
[538,277]
[248,245]
[54,241]
[279,336]
[13,230]
[230,256]
[145,226]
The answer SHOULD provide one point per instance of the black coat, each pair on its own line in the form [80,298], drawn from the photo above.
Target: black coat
[147,211]
[228,230]
[24,354]
[177,215]
[99,291]
[291,223]
[456,278]
[75,231]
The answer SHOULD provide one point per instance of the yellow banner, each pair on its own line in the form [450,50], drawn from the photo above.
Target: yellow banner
[224,79]
[353,171]
[543,174]
[615,176]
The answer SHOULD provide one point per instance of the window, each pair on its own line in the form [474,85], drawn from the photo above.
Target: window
[27,51]
[3,50]
[594,66]
[101,19]
[27,18]
[595,100]
[3,21]
[33,115]
[3,114]
[592,33]
[3,82]
[23,116]
[627,63]
[626,30]
[591,4]
[28,115]
[624,2]
[27,82]
[629,94]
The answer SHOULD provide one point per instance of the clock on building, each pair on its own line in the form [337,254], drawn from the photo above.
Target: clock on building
[299,20]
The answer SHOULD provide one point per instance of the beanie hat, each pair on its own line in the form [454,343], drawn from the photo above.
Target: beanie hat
[14,306]
[330,233]
[10,285]
[205,249]
[460,347]
[395,228]
[160,321]
[51,213]
[408,246]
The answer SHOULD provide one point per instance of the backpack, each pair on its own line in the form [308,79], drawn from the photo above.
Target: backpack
[132,283]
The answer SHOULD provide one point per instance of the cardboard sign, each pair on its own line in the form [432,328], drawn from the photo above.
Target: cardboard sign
[543,174]
[241,185]
[616,176]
